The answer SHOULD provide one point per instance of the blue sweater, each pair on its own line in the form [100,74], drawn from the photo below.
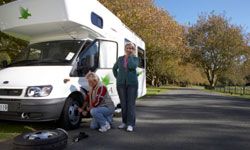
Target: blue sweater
[126,76]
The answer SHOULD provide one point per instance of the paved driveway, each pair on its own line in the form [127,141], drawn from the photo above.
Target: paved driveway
[181,119]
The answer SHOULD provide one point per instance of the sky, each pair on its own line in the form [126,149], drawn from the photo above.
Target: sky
[187,11]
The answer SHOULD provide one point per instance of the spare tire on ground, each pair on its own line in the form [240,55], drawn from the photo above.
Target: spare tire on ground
[41,140]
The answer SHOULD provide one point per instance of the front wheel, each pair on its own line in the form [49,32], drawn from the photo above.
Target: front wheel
[70,117]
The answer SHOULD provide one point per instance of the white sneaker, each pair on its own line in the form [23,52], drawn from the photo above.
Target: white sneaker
[108,126]
[122,126]
[105,128]
[130,128]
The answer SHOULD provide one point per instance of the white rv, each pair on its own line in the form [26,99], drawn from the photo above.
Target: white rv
[67,39]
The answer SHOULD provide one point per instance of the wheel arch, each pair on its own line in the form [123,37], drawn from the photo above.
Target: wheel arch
[78,96]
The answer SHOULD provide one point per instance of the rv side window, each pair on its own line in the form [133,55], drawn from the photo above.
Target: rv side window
[141,56]
[96,20]
[108,54]
[126,40]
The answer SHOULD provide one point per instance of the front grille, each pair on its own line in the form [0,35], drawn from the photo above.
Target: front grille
[10,92]
[10,100]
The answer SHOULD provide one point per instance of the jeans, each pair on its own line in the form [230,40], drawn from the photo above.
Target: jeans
[128,95]
[101,115]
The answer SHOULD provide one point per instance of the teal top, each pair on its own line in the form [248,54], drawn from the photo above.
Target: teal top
[126,76]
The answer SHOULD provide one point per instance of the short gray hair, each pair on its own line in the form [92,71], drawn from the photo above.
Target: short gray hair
[130,44]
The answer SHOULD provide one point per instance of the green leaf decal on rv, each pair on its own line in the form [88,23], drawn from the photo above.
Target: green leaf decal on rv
[139,73]
[24,13]
[106,80]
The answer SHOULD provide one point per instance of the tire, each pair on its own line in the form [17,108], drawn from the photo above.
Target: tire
[70,117]
[41,140]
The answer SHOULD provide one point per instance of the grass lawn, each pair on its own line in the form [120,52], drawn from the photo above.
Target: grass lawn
[157,90]
[236,95]
[244,96]
[10,129]
[228,94]
[153,90]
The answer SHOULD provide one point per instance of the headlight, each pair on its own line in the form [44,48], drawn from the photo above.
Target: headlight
[38,91]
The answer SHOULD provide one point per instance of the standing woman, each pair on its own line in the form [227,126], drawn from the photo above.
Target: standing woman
[127,84]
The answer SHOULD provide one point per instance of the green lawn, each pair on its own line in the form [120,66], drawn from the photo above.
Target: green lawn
[157,90]
[228,94]
[9,129]
[236,95]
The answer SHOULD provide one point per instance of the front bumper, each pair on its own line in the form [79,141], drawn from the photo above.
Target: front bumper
[34,110]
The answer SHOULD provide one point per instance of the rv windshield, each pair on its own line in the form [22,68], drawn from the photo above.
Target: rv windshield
[48,53]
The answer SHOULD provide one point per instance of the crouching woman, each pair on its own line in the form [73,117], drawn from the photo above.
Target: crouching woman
[101,106]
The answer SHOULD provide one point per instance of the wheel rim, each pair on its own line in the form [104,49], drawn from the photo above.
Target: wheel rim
[73,113]
[40,135]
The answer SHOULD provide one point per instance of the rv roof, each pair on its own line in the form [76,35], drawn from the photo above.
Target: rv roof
[35,20]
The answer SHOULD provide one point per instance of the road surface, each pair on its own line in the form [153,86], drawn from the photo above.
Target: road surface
[180,119]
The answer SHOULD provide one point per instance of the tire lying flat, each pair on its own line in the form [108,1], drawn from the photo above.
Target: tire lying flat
[41,140]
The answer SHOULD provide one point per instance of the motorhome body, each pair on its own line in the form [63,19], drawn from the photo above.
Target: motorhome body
[67,39]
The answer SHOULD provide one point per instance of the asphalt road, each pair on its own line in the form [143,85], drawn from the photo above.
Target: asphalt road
[181,119]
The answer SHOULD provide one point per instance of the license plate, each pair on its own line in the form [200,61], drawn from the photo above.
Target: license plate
[3,107]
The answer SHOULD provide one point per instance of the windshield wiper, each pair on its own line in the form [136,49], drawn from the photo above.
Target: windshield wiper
[35,62]
[53,61]
[22,62]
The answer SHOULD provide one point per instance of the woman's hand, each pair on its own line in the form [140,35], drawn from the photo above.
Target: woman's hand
[80,109]
[84,113]
[89,108]
[133,53]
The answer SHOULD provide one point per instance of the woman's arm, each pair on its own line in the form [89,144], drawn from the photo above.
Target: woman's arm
[132,62]
[84,105]
[115,67]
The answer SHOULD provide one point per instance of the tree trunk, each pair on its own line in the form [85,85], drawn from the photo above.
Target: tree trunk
[212,78]
[153,81]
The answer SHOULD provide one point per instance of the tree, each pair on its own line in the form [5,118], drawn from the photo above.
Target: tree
[215,45]
[9,46]
[5,1]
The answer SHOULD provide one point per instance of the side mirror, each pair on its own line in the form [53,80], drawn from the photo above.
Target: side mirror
[91,61]
[4,63]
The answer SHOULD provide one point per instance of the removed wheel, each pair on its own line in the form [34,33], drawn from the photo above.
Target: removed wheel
[41,140]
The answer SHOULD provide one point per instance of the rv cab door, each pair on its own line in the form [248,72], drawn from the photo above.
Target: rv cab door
[100,54]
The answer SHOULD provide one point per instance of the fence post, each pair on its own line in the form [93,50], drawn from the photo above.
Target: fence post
[244,92]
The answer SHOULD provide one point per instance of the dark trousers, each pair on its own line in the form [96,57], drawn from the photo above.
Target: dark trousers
[128,95]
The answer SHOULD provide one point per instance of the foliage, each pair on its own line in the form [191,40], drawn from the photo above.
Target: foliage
[9,46]
[5,1]
[216,45]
